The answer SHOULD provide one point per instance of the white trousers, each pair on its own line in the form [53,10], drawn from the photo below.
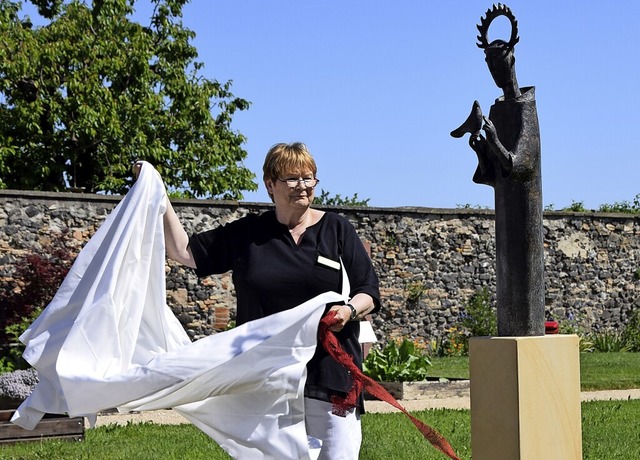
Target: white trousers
[340,436]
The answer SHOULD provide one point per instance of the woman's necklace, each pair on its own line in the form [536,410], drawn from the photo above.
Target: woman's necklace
[298,230]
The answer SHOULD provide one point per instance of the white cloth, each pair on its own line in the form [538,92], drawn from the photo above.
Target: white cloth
[339,437]
[108,339]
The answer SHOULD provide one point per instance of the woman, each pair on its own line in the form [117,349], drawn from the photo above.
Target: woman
[283,258]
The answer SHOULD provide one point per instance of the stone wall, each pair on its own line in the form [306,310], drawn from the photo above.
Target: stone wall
[430,261]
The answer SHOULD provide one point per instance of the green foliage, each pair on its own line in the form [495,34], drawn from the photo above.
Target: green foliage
[36,279]
[470,206]
[12,358]
[576,206]
[479,317]
[415,291]
[631,332]
[395,362]
[609,341]
[626,207]
[91,91]
[325,200]
[577,324]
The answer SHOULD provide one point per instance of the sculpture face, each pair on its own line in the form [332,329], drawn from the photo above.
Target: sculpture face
[500,61]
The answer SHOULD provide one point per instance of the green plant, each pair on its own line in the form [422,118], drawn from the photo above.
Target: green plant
[36,280]
[326,200]
[479,316]
[624,206]
[397,362]
[576,206]
[577,325]
[12,358]
[415,291]
[631,332]
[609,341]
[456,343]
[436,347]
[470,206]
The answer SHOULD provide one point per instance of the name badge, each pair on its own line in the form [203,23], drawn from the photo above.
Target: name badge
[322,260]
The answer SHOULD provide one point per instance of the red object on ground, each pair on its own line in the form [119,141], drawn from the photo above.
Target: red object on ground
[551,327]
[360,381]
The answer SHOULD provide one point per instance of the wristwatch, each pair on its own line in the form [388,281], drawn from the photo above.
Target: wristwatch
[354,313]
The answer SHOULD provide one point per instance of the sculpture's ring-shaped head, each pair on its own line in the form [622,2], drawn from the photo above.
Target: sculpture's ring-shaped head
[485,22]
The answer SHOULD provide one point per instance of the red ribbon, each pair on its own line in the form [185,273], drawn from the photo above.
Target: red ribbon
[361,381]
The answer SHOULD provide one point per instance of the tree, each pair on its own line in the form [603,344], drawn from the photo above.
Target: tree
[89,92]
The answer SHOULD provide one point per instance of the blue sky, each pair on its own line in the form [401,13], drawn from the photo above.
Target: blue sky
[375,87]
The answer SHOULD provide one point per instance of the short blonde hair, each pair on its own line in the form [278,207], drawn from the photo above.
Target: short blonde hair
[284,159]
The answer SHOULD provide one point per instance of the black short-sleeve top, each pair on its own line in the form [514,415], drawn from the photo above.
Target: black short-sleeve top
[272,273]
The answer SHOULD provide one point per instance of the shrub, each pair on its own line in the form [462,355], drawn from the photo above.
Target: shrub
[577,325]
[609,341]
[415,291]
[456,343]
[12,357]
[403,362]
[36,279]
[479,317]
[623,206]
[631,332]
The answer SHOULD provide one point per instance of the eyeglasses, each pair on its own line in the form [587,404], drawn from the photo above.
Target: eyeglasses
[293,183]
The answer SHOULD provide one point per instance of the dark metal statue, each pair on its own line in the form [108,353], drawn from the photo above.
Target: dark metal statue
[509,161]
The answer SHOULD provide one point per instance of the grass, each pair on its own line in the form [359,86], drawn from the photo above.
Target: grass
[598,371]
[609,428]
[609,371]
[609,431]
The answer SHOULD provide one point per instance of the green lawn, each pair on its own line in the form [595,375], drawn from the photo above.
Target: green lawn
[609,428]
[609,432]
[598,371]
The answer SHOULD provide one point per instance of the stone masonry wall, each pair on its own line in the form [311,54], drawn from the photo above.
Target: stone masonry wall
[430,261]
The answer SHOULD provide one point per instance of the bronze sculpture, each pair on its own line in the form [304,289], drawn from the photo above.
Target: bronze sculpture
[509,161]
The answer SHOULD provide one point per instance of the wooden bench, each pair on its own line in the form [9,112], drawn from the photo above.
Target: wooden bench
[52,426]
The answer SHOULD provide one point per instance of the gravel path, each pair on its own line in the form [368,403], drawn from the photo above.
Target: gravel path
[441,400]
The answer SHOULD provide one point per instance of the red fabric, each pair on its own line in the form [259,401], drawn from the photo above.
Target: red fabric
[361,381]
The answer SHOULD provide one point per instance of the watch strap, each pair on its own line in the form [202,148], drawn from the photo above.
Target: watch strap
[354,312]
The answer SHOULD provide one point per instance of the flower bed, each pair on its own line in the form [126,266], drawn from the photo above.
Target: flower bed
[427,389]
[52,426]
[14,388]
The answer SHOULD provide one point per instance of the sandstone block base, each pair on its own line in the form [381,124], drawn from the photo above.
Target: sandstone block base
[525,398]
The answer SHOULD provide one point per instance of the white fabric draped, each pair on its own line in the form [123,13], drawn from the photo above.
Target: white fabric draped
[108,339]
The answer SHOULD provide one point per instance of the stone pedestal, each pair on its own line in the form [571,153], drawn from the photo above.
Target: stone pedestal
[525,398]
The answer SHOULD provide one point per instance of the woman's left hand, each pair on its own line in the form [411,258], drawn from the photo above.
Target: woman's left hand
[343,314]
